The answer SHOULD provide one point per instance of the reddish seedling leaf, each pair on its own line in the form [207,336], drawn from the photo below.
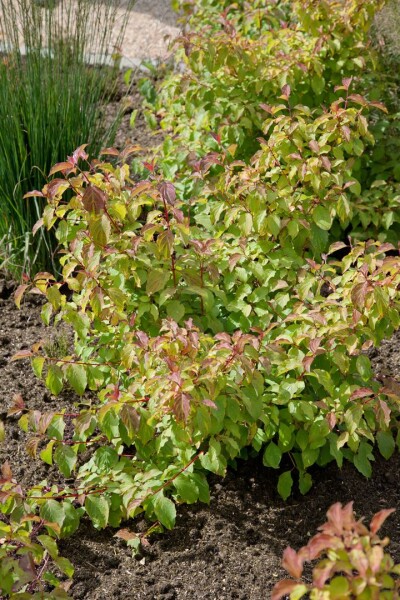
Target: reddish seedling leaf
[379,105]
[378,520]
[267,108]
[292,562]
[358,99]
[283,588]
[331,420]
[130,150]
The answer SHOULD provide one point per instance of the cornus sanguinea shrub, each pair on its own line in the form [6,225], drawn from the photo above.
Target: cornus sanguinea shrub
[350,561]
[226,302]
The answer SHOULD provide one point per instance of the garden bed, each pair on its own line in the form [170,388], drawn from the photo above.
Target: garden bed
[230,549]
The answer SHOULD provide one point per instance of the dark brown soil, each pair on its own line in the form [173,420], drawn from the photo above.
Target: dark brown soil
[230,549]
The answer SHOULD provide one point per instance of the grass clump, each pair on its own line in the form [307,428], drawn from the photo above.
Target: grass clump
[50,103]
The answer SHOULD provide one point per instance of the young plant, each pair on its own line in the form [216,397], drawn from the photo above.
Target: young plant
[350,561]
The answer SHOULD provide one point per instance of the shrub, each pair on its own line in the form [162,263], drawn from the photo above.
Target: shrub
[50,102]
[219,306]
[351,563]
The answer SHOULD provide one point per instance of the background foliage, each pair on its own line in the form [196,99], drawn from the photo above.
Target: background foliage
[50,102]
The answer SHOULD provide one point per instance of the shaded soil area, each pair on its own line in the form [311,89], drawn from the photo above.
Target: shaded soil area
[228,550]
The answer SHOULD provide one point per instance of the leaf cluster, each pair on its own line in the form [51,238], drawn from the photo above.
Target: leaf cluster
[350,561]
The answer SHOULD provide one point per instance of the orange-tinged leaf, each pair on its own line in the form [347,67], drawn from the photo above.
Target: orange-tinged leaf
[61,166]
[21,289]
[22,354]
[378,520]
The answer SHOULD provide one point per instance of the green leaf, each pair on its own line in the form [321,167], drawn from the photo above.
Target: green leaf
[272,456]
[186,488]
[2,432]
[105,459]
[156,281]
[65,458]
[77,378]
[175,310]
[98,510]
[71,520]
[318,84]
[386,443]
[285,484]
[322,218]
[56,428]
[363,365]
[47,454]
[37,365]
[53,512]
[165,510]
[305,482]
[54,379]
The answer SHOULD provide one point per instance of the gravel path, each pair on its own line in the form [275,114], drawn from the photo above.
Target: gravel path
[151,26]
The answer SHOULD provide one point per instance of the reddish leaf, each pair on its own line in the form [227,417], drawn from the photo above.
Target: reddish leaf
[168,193]
[6,473]
[266,107]
[64,167]
[358,99]
[37,226]
[34,194]
[286,91]
[314,146]
[21,289]
[110,151]
[378,520]
[130,150]
[292,562]
[17,406]
[79,153]
[346,133]
[346,81]
[131,419]
[326,163]
[359,293]
[331,420]
[379,105]
[94,199]
[283,588]
[126,534]
[362,392]
[22,354]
